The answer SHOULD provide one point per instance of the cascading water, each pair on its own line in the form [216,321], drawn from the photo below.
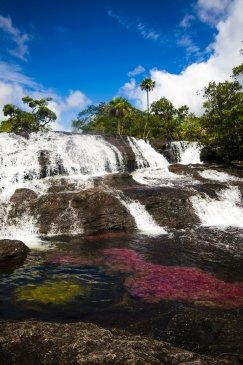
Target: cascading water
[145,223]
[227,211]
[68,155]
[152,166]
[217,176]
[45,160]
[184,152]
[145,154]
[36,162]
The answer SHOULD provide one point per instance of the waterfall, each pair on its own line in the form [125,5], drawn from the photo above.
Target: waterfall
[227,211]
[145,154]
[152,167]
[21,160]
[38,163]
[144,221]
[185,153]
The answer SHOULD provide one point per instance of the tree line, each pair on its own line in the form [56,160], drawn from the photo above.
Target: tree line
[220,127]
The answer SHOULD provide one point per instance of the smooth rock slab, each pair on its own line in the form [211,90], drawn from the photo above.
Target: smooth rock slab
[31,342]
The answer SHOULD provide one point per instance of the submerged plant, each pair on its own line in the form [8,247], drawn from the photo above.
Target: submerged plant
[153,283]
[54,292]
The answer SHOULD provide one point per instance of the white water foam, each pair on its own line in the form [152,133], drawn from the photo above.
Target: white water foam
[225,212]
[24,229]
[152,166]
[218,176]
[68,155]
[145,154]
[77,159]
[186,152]
[144,221]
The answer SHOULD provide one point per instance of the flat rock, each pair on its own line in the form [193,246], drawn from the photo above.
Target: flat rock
[31,342]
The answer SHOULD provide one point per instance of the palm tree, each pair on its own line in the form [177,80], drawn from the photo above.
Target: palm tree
[119,107]
[148,85]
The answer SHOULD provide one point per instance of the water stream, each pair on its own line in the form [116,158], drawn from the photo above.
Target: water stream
[138,279]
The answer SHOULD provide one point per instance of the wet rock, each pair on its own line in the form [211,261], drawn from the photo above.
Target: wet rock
[30,342]
[211,155]
[119,181]
[123,146]
[44,161]
[12,248]
[170,207]
[12,254]
[101,211]
[53,210]
[21,196]
[212,332]
[92,210]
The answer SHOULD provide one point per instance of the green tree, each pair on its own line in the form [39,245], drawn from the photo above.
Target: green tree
[20,120]
[148,85]
[113,117]
[119,108]
[87,118]
[223,117]
[191,129]
[166,121]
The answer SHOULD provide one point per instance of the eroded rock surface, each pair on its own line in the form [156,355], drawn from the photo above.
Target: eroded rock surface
[92,210]
[30,342]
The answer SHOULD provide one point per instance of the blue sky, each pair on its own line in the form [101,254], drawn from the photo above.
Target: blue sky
[90,51]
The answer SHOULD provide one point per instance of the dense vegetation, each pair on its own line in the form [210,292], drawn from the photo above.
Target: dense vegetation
[220,127]
[37,119]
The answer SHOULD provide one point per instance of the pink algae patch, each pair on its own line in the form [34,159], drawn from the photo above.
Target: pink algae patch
[152,283]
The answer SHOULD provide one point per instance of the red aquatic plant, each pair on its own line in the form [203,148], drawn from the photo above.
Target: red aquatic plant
[153,283]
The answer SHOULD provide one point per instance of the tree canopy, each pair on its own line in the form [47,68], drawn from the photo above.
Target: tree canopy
[38,118]
[148,85]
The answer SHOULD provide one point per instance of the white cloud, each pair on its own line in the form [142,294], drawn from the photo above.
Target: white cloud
[14,85]
[20,39]
[136,71]
[136,25]
[187,20]
[210,11]
[13,73]
[186,42]
[119,18]
[182,88]
[77,99]
[146,32]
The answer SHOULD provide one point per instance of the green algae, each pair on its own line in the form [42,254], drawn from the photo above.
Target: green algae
[51,292]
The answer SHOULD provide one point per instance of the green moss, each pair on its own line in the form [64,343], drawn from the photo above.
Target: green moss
[55,292]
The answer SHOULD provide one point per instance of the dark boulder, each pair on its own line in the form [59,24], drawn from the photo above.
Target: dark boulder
[22,196]
[12,255]
[92,210]
[12,249]
[170,207]
[100,211]
[30,342]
